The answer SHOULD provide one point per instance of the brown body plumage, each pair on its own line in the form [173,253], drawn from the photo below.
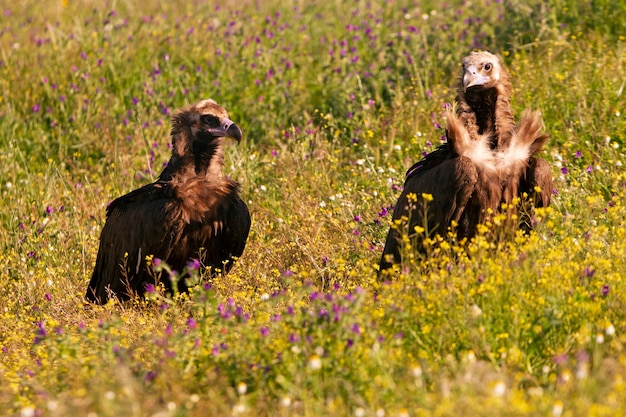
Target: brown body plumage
[486,161]
[190,212]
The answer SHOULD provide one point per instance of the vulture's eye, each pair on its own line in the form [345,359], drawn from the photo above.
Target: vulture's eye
[487,66]
[210,120]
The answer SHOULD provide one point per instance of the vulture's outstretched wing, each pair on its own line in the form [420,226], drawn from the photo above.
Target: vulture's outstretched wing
[450,182]
[134,229]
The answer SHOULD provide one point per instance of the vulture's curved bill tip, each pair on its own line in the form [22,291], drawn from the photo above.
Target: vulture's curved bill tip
[228,129]
[233,131]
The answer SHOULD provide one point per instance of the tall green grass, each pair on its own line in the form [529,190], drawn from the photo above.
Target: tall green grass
[336,100]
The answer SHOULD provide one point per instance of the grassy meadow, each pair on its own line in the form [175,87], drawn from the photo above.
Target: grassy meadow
[336,100]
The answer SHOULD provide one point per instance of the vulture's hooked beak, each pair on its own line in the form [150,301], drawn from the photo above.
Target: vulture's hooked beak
[228,129]
[471,78]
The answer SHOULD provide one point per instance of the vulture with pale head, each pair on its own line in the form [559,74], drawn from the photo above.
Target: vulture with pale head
[192,212]
[487,160]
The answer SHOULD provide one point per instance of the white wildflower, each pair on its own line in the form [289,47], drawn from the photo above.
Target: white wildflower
[499,389]
[27,412]
[242,388]
[610,330]
[315,362]
[239,409]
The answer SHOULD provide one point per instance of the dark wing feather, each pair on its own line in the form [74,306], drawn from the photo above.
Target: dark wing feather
[236,230]
[538,174]
[450,182]
[431,160]
[136,226]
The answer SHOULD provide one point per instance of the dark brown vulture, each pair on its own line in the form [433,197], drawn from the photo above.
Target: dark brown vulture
[191,212]
[486,161]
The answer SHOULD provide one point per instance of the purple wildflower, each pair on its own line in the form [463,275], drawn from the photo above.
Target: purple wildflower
[194,265]
[40,333]
[605,290]
[583,356]
[223,311]
[560,359]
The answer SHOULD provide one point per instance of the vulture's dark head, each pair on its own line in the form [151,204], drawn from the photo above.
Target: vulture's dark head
[198,133]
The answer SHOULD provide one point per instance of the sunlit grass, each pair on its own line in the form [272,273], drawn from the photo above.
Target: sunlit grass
[336,101]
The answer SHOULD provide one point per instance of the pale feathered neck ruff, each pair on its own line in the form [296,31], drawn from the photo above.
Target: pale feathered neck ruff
[504,165]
